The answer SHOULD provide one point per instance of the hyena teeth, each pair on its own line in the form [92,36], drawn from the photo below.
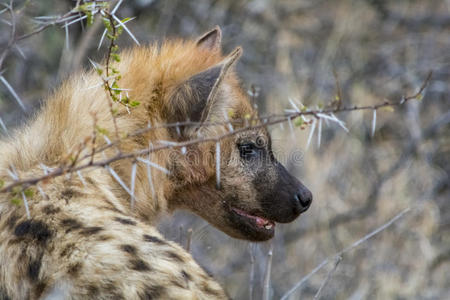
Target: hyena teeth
[269,226]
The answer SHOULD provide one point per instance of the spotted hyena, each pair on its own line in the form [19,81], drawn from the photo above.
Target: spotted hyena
[84,239]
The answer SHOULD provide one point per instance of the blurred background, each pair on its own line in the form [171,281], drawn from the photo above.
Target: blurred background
[377,50]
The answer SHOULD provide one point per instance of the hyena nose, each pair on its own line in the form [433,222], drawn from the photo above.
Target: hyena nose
[303,199]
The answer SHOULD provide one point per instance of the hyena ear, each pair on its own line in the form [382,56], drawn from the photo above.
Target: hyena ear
[212,40]
[197,99]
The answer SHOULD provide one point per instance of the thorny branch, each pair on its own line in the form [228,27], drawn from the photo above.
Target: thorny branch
[337,257]
[260,123]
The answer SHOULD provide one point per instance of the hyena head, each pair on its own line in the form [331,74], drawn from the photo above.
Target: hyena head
[253,190]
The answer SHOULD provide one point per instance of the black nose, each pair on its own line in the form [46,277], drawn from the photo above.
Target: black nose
[303,199]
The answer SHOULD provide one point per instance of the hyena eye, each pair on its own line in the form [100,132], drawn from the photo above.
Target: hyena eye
[248,150]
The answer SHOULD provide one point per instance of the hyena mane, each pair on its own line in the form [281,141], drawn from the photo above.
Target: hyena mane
[91,234]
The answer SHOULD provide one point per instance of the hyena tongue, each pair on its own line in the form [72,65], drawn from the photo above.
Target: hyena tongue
[261,222]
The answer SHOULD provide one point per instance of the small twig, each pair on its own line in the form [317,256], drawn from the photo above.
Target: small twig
[266,288]
[252,270]
[344,251]
[338,89]
[266,121]
[327,279]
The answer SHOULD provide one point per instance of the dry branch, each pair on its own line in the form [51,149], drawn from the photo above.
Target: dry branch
[262,122]
[339,255]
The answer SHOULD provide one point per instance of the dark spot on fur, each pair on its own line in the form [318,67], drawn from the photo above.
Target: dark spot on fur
[67,250]
[33,269]
[39,289]
[74,269]
[104,237]
[139,265]
[111,289]
[175,256]
[12,221]
[71,224]
[92,290]
[50,209]
[128,249]
[153,239]
[70,193]
[91,230]
[152,292]
[34,229]
[186,275]
[125,221]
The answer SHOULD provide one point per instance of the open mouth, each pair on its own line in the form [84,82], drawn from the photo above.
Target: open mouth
[257,222]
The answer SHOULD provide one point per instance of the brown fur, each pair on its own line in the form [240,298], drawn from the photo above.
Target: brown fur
[85,240]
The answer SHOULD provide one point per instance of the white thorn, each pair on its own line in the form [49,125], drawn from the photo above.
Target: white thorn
[126,29]
[74,21]
[101,39]
[67,36]
[154,165]
[293,105]
[3,126]
[25,202]
[81,178]
[20,51]
[291,128]
[374,121]
[311,132]
[41,191]
[118,179]
[108,141]
[319,133]
[11,90]
[116,7]
[132,183]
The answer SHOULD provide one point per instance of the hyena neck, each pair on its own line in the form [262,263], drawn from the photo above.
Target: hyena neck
[67,122]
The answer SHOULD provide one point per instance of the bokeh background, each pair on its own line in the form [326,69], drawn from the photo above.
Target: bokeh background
[378,50]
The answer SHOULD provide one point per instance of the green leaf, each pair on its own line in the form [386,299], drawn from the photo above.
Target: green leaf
[29,193]
[134,103]
[102,130]
[115,56]
[298,121]
[15,201]
[90,19]
[107,24]
[2,183]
